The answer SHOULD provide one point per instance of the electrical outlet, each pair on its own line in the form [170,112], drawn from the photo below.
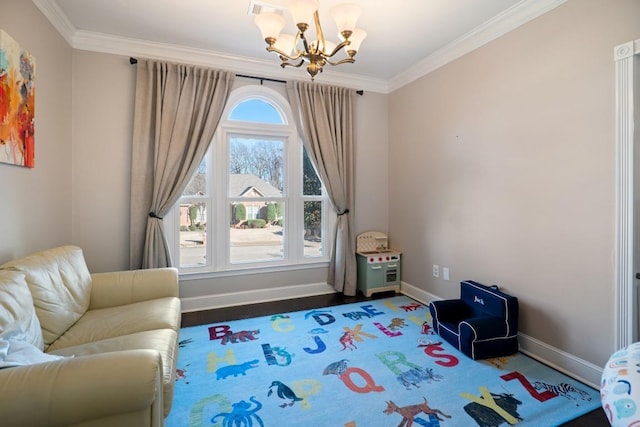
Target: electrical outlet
[445,273]
[436,270]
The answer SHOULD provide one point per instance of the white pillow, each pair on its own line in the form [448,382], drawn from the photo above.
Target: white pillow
[16,351]
[60,284]
[16,308]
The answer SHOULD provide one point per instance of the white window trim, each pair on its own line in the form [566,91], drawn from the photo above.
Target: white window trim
[218,234]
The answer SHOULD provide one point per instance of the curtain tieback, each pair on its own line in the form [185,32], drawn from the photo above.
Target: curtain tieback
[154,215]
[346,211]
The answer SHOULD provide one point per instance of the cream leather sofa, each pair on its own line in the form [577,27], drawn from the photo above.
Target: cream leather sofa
[117,333]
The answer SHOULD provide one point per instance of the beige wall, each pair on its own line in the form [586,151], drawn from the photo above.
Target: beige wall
[35,204]
[103,95]
[372,163]
[103,91]
[78,192]
[511,149]
[499,166]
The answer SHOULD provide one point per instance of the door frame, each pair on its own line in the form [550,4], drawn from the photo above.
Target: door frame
[625,269]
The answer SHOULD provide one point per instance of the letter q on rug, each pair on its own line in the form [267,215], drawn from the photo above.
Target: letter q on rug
[368,364]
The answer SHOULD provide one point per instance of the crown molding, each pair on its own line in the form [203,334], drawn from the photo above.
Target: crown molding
[105,43]
[57,18]
[501,24]
[510,19]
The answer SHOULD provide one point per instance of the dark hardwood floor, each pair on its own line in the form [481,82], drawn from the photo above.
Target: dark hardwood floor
[596,418]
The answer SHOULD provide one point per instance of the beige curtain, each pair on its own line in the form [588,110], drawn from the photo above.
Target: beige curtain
[177,110]
[326,123]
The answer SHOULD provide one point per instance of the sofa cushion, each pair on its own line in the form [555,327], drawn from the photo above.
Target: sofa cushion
[16,308]
[15,351]
[60,285]
[162,340]
[104,323]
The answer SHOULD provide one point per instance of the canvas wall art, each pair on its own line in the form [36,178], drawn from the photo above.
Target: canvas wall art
[17,103]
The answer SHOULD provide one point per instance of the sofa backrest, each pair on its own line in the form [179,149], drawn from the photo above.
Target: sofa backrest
[60,284]
[17,313]
[488,300]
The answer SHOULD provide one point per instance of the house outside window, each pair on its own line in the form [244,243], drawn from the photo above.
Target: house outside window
[256,200]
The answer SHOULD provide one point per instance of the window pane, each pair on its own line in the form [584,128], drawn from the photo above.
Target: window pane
[256,239]
[255,167]
[311,185]
[313,241]
[198,184]
[193,238]
[256,110]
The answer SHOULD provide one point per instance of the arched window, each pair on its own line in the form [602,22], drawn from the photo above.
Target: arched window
[256,200]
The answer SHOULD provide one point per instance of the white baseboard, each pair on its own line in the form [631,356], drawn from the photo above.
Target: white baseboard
[564,362]
[209,302]
[417,293]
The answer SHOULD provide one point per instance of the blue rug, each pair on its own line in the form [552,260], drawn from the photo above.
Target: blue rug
[375,363]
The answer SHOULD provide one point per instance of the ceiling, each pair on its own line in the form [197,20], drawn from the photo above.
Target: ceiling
[405,39]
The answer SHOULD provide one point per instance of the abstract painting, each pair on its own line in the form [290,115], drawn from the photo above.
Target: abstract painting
[17,103]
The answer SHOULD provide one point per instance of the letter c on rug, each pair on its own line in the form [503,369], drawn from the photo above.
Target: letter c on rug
[282,325]
[196,417]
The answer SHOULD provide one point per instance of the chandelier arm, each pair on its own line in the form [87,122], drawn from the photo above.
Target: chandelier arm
[288,64]
[319,34]
[298,52]
[301,36]
[312,52]
[337,48]
[342,61]
[282,54]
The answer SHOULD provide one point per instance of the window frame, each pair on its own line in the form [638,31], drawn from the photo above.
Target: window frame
[217,247]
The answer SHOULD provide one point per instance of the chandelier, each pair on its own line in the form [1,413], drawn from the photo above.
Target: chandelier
[315,53]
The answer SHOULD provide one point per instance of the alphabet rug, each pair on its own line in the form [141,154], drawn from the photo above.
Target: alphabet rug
[366,364]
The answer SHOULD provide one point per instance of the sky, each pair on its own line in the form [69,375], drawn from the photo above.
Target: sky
[256,110]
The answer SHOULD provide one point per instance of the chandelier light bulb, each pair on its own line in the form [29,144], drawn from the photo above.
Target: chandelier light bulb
[356,38]
[302,12]
[346,16]
[285,43]
[270,25]
[294,51]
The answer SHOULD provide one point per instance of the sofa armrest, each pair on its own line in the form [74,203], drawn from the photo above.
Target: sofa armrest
[75,390]
[127,287]
[484,327]
[450,310]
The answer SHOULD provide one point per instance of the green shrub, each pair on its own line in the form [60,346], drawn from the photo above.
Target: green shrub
[271,212]
[183,228]
[239,213]
[193,213]
[256,223]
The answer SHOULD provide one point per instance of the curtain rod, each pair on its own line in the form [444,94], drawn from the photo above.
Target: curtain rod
[133,61]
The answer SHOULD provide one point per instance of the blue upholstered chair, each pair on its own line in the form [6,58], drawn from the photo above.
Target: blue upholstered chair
[482,324]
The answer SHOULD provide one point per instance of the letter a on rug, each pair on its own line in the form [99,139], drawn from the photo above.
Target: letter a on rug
[368,364]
